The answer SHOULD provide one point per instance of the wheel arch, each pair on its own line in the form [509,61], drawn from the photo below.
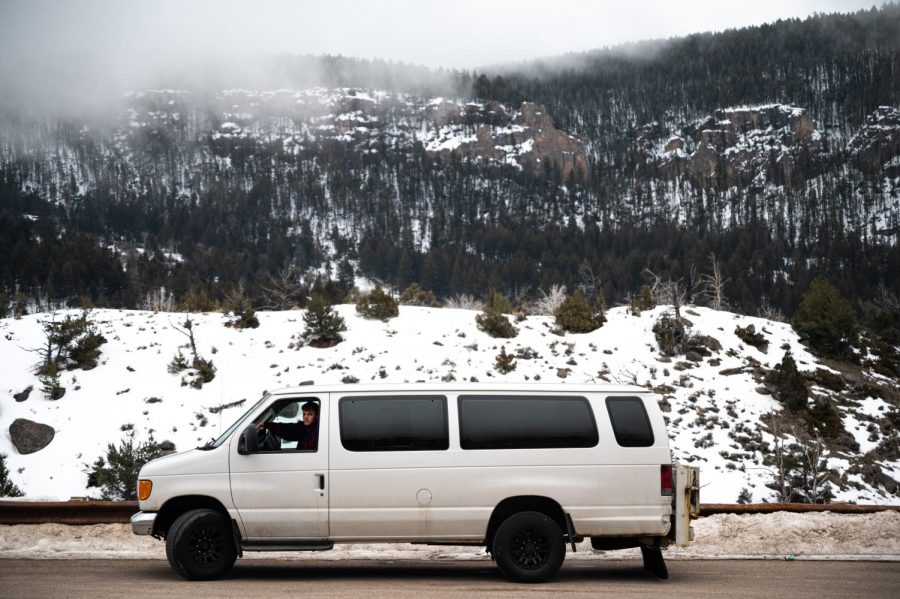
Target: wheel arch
[523,503]
[176,506]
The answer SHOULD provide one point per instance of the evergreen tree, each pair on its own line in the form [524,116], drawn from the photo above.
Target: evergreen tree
[377,304]
[826,319]
[7,486]
[323,324]
[116,475]
[790,388]
[575,316]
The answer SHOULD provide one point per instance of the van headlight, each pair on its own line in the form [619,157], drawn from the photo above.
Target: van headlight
[144,488]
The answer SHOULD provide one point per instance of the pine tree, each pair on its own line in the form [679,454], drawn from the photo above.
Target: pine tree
[575,316]
[377,304]
[116,474]
[323,324]
[7,487]
[826,319]
[788,382]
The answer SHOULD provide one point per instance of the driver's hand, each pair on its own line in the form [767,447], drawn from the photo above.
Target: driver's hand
[260,425]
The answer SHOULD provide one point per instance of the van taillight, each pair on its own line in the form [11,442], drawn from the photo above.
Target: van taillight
[666,486]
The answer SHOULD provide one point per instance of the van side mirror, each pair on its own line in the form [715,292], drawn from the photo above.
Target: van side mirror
[249,441]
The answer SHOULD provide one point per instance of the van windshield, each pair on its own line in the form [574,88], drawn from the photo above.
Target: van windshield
[221,438]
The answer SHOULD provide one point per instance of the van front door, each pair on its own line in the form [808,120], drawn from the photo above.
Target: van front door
[281,491]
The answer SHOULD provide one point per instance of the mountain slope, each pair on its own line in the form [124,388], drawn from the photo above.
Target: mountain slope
[717,415]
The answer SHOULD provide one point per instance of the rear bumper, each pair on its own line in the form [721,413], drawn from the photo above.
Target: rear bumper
[142,523]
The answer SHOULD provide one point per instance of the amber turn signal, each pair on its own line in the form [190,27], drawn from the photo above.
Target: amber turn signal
[144,488]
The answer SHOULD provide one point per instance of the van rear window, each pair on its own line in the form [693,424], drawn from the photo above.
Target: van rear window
[407,423]
[525,422]
[629,421]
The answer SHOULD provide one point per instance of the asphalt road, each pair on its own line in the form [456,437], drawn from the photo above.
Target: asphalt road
[147,579]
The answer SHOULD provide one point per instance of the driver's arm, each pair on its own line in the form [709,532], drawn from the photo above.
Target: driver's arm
[286,430]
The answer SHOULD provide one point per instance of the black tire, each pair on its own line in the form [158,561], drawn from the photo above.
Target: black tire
[529,547]
[200,545]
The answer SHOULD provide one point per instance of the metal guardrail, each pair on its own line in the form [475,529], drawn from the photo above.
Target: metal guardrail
[119,512]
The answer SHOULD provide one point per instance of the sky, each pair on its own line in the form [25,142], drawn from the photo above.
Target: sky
[46,45]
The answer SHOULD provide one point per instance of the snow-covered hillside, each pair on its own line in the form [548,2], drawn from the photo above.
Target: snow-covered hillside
[713,405]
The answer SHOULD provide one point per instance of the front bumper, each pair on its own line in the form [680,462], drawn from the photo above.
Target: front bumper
[142,523]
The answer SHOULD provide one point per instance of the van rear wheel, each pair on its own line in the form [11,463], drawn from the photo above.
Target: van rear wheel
[200,545]
[529,547]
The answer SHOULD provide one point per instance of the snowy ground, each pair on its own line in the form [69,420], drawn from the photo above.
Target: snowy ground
[755,536]
[710,410]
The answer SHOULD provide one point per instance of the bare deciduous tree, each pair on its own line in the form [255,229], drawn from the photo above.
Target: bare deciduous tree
[550,300]
[159,300]
[284,290]
[590,284]
[712,285]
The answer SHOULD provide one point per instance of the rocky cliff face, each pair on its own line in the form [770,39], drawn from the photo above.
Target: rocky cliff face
[876,147]
[529,139]
[733,146]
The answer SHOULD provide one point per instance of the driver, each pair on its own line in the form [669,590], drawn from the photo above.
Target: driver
[305,432]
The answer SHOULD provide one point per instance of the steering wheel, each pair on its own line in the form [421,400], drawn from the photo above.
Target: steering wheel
[267,441]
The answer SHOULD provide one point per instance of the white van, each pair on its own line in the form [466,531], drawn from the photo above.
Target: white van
[521,469]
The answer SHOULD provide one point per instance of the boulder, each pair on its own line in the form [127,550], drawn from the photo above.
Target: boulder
[29,436]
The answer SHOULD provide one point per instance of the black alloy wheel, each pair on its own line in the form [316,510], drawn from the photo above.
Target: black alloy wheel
[529,547]
[200,545]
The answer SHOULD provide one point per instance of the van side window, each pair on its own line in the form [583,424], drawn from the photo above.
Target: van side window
[525,422]
[406,423]
[629,421]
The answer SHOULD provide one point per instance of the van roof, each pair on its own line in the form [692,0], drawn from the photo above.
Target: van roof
[463,387]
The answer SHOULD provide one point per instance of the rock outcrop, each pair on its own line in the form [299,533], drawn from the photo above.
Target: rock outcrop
[877,143]
[529,140]
[733,146]
[29,436]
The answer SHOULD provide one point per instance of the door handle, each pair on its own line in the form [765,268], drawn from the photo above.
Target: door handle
[321,478]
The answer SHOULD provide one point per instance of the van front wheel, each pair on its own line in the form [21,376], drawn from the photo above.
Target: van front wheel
[529,547]
[200,545]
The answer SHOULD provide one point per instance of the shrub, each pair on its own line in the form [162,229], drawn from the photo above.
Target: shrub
[495,324]
[197,300]
[749,336]
[827,419]
[788,382]
[505,363]
[497,301]
[377,304]
[642,302]
[463,302]
[550,301]
[671,334]
[237,304]
[204,372]
[414,295]
[575,316]
[50,384]
[826,319]
[323,324]
[116,475]
[7,487]
[70,343]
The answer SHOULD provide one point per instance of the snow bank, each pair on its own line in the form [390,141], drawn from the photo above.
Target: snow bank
[725,536]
